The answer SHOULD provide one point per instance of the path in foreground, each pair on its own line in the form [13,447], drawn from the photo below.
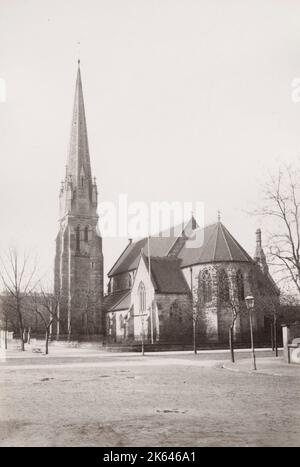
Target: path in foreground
[165,401]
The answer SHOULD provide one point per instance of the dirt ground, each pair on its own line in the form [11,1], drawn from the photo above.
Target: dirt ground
[178,400]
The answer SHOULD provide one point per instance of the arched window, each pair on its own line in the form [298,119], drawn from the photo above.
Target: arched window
[206,287]
[142,298]
[223,287]
[240,286]
[78,238]
[86,234]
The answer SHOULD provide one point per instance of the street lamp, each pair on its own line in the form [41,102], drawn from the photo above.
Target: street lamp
[143,334]
[250,306]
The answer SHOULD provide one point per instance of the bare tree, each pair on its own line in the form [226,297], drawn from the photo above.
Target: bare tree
[46,306]
[237,308]
[7,316]
[87,316]
[270,306]
[277,310]
[17,273]
[282,208]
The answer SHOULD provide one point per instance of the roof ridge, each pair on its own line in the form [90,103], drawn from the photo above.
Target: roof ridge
[238,245]
[163,258]
[120,256]
[182,234]
[158,234]
[225,239]
[210,225]
[215,249]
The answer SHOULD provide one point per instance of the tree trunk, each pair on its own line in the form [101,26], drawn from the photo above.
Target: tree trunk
[5,337]
[231,345]
[22,341]
[194,337]
[29,336]
[47,342]
[272,336]
[275,336]
[21,327]
[143,345]
[21,331]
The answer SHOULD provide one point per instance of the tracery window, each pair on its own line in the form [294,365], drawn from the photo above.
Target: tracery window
[142,298]
[240,286]
[206,286]
[223,287]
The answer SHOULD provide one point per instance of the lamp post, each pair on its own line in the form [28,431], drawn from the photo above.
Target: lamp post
[250,306]
[143,335]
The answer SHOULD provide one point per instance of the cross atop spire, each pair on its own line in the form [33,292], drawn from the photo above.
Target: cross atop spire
[219,215]
[78,165]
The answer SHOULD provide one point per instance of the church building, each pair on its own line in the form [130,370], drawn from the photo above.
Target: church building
[159,284]
[78,277]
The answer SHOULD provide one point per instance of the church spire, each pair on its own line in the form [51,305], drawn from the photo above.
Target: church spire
[79,167]
[78,192]
[259,255]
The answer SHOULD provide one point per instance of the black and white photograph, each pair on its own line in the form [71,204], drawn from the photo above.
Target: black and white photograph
[150,226]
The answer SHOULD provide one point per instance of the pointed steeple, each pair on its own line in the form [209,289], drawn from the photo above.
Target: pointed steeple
[79,167]
[78,192]
[259,255]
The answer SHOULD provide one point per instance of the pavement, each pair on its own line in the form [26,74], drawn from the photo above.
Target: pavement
[267,366]
[80,397]
[65,357]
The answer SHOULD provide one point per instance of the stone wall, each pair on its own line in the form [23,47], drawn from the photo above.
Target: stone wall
[175,318]
[79,280]
[215,316]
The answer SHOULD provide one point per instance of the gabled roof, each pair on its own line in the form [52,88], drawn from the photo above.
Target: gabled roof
[117,301]
[167,275]
[159,244]
[217,245]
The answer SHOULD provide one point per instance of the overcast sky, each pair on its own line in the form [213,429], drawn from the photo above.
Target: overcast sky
[186,100]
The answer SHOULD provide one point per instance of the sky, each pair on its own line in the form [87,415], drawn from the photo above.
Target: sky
[186,100]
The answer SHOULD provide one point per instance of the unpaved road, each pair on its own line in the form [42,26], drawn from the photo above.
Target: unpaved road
[161,401]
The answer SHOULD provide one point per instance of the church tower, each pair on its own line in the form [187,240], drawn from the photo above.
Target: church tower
[79,259]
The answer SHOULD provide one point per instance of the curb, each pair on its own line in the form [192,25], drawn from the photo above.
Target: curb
[250,372]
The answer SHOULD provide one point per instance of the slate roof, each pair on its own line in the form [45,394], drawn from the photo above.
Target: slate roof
[167,275]
[215,244]
[160,245]
[117,301]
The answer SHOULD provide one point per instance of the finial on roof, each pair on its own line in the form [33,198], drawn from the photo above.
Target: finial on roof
[219,215]
[78,61]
